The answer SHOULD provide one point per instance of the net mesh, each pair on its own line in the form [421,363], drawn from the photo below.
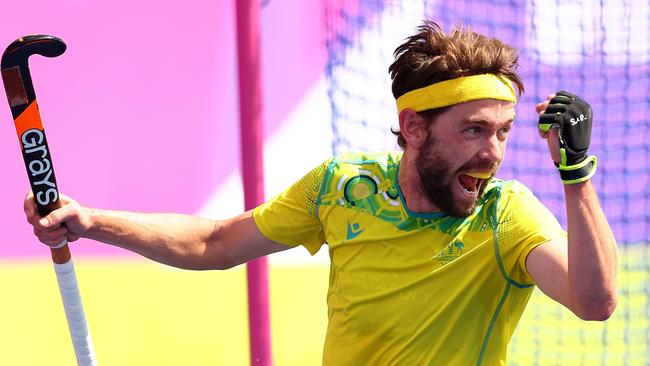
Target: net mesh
[599,49]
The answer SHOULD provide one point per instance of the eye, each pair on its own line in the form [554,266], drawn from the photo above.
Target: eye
[504,131]
[473,130]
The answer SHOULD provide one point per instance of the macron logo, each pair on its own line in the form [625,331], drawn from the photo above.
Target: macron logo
[354,230]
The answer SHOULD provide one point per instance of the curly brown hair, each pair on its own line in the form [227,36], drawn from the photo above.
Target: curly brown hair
[431,56]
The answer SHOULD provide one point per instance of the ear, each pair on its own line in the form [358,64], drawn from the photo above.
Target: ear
[413,127]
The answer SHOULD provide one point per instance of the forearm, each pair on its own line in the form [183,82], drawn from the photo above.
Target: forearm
[592,253]
[178,240]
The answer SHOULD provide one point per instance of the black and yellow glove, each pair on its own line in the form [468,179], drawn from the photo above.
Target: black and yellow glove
[573,116]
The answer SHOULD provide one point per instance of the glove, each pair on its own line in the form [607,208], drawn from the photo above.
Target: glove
[573,116]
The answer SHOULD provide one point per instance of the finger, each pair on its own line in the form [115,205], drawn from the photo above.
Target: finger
[58,216]
[548,133]
[53,243]
[561,99]
[542,134]
[57,234]
[546,122]
[29,206]
[566,94]
[43,223]
[39,223]
[541,106]
[553,142]
[554,108]
[72,238]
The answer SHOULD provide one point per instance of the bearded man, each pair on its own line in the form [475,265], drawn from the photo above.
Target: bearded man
[433,259]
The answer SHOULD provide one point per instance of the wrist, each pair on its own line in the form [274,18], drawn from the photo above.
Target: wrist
[91,222]
[578,191]
[578,173]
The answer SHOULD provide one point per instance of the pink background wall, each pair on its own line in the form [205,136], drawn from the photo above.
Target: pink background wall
[141,111]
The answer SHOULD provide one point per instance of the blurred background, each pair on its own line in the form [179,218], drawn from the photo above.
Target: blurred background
[142,115]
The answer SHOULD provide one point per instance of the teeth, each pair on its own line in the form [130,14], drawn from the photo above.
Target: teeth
[479,175]
[471,193]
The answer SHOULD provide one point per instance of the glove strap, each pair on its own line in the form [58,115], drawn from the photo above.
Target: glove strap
[578,173]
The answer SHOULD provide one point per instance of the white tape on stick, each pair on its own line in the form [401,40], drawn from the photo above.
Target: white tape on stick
[74,312]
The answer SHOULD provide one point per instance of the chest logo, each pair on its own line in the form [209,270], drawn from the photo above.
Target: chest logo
[354,230]
[451,252]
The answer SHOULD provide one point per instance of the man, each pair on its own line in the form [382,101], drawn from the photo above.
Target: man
[432,259]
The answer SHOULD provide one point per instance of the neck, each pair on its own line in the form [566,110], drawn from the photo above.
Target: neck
[411,187]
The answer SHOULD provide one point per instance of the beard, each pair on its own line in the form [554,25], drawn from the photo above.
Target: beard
[437,178]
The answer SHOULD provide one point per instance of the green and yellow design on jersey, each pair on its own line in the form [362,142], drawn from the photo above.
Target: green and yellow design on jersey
[406,287]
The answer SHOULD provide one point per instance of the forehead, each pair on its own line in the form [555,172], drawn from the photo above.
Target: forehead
[485,110]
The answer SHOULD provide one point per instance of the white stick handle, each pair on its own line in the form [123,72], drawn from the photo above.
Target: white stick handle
[74,312]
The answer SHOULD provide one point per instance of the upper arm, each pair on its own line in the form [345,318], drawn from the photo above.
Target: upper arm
[291,217]
[239,240]
[548,266]
[287,220]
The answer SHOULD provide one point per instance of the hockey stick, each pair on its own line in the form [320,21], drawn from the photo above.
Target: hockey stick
[38,161]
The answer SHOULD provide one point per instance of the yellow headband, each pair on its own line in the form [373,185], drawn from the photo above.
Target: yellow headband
[459,90]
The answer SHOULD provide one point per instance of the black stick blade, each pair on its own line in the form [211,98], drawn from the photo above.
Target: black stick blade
[17,53]
[15,68]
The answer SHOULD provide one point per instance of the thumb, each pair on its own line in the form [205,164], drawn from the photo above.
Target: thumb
[553,140]
[72,215]
[51,220]
[57,217]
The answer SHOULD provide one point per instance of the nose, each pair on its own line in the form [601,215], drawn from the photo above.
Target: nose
[493,149]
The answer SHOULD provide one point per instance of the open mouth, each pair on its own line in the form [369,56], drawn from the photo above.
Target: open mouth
[472,182]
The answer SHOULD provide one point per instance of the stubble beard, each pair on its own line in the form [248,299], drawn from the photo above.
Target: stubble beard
[437,179]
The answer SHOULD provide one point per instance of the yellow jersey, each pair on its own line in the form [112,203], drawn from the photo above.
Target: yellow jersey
[408,288]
